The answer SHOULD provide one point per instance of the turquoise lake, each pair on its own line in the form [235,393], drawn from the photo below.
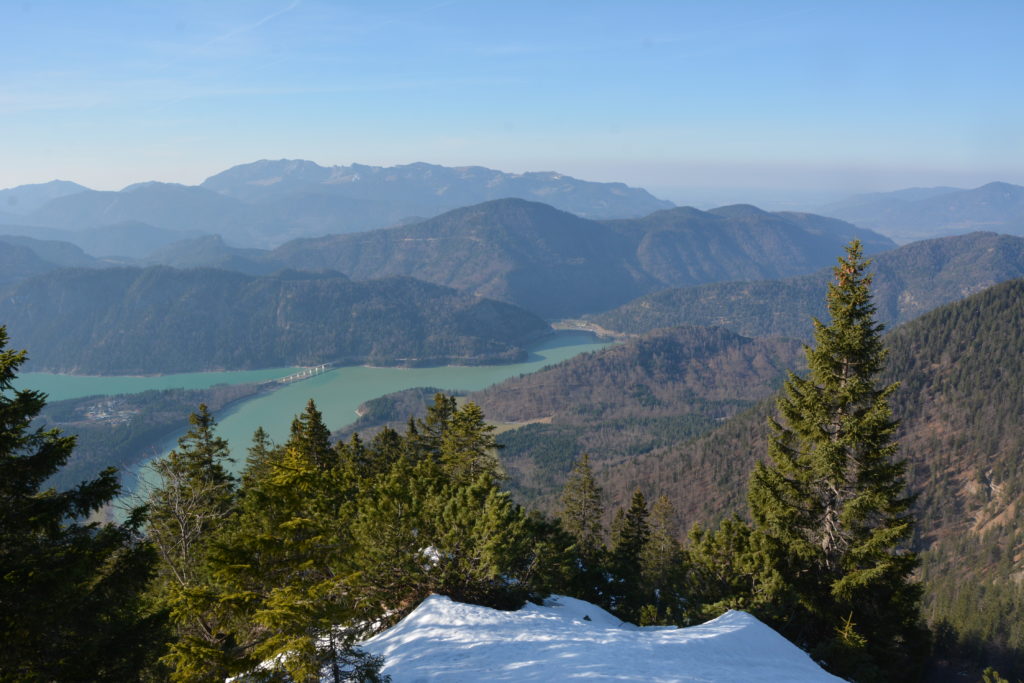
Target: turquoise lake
[338,392]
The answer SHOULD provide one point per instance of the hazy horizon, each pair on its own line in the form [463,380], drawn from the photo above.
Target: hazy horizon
[792,101]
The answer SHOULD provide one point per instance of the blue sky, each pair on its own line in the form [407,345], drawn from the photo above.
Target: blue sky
[680,97]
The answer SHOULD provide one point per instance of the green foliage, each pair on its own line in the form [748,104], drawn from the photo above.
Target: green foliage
[664,569]
[582,511]
[726,568]
[70,588]
[990,675]
[286,553]
[193,499]
[462,536]
[468,448]
[481,550]
[323,544]
[630,535]
[959,403]
[830,512]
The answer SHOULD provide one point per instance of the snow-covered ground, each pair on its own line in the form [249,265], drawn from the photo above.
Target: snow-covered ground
[567,639]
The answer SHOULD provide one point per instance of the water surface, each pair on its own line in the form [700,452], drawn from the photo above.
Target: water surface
[339,392]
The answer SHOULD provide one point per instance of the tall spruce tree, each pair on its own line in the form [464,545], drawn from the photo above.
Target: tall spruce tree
[630,533]
[830,512]
[69,588]
[311,437]
[423,526]
[468,447]
[663,568]
[193,499]
[582,511]
[286,558]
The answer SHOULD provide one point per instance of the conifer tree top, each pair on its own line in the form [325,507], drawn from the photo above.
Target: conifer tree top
[830,511]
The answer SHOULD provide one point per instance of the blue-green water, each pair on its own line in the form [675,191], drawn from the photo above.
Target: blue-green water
[338,392]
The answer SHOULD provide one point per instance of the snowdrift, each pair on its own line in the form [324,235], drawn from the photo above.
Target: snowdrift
[567,639]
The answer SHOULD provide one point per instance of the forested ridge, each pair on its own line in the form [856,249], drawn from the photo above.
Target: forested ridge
[162,320]
[959,405]
[909,281]
[647,394]
[962,370]
[556,264]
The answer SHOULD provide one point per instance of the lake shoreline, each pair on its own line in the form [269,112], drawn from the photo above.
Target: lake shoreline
[338,393]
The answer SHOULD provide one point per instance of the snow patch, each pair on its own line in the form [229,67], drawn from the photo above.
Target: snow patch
[566,638]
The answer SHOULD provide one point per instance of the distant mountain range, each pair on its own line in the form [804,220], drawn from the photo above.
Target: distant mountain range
[24,199]
[909,281]
[160,320]
[266,203]
[269,202]
[24,257]
[530,254]
[117,242]
[435,188]
[922,213]
[558,264]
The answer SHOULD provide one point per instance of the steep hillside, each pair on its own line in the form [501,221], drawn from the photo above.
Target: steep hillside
[961,369]
[558,264]
[530,254]
[642,396]
[19,262]
[933,212]
[156,320]
[908,281]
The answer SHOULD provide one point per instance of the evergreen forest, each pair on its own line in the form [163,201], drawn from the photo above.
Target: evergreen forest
[163,320]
